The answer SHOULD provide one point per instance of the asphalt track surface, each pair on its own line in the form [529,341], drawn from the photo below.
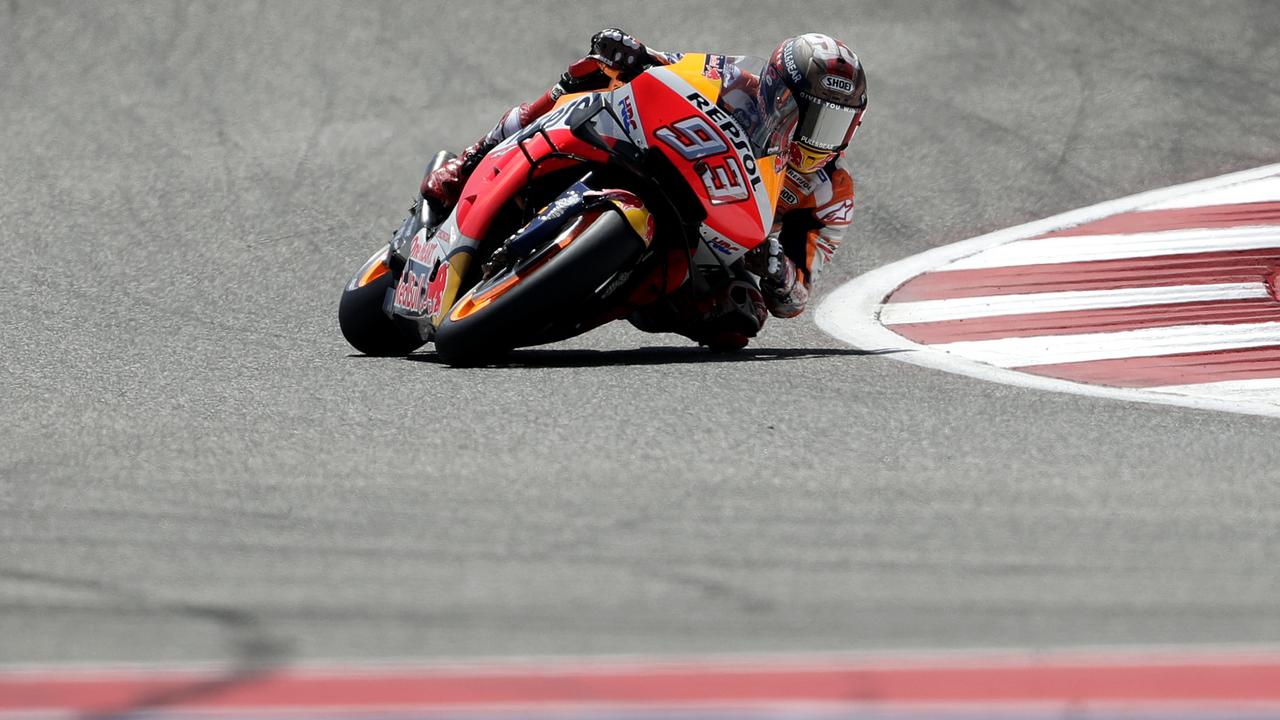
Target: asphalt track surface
[194,466]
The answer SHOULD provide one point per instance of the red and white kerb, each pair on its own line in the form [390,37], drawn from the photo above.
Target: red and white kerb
[1168,296]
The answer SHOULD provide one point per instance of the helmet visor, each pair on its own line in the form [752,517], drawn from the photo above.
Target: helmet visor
[826,125]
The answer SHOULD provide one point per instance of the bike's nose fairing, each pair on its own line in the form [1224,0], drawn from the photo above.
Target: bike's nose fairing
[679,106]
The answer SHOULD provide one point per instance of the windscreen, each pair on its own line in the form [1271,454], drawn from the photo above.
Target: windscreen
[759,102]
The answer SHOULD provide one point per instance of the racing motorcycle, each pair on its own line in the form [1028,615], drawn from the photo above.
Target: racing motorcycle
[604,206]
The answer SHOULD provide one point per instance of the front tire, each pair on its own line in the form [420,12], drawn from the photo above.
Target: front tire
[473,333]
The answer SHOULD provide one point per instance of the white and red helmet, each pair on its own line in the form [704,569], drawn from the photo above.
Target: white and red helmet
[818,83]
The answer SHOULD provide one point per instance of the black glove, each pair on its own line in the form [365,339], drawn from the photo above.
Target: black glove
[776,271]
[783,294]
[619,51]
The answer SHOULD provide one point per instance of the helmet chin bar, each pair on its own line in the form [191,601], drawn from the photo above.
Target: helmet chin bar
[805,159]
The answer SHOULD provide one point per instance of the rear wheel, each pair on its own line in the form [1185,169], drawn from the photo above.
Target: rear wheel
[516,307]
[360,314]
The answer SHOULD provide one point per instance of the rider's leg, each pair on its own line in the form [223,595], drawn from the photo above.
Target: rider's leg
[443,186]
[723,322]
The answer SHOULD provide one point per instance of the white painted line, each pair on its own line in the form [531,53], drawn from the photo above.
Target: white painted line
[851,312]
[1260,389]
[1264,190]
[1082,248]
[1086,654]
[921,311]
[1147,342]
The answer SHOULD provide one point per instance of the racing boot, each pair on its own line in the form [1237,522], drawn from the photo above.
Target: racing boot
[442,186]
[735,319]
[724,324]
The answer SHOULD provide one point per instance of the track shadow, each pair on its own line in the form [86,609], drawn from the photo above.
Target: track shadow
[549,358]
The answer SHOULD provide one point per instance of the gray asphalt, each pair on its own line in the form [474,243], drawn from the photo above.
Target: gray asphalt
[194,466]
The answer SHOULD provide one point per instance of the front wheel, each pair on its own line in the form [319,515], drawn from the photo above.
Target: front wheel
[515,307]
[360,314]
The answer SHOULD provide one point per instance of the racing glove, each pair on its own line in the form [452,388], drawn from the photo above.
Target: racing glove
[614,49]
[619,51]
[784,294]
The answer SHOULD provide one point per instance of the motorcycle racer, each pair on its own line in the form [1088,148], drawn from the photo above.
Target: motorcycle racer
[812,93]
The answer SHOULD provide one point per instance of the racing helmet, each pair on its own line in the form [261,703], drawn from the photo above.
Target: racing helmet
[817,83]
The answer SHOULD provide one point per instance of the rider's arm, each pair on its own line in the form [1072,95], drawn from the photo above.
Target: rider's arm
[832,213]
[808,238]
[610,48]
[445,183]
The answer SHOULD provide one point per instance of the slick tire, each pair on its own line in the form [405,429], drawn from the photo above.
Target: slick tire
[366,326]
[554,290]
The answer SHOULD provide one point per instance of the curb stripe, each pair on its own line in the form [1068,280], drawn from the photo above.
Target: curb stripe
[1069,349]
[926,311]
[1031,679]
[1182,217]
[1252,191]
[1086,248]
[1092,321]
[1243,266]
[1267,385]
[1171,370]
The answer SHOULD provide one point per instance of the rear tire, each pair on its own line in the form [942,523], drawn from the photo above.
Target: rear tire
[552,290]
[366,326]
[360,314]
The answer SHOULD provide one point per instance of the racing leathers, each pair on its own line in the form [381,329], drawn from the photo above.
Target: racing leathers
[812,213]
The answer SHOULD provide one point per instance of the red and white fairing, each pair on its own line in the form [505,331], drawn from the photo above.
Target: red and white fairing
[672,108]
[713,153]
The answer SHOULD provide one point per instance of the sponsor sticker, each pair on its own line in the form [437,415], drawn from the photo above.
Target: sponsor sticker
[837,83]
[840,213]
[789,60]
[713,67]
[422,292]
[806,183]
[561,204]
[425,250]
[735,135]
[719,243]
[627,113]
[422,283]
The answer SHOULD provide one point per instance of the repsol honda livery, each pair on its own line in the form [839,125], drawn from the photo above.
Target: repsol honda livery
[597,211]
